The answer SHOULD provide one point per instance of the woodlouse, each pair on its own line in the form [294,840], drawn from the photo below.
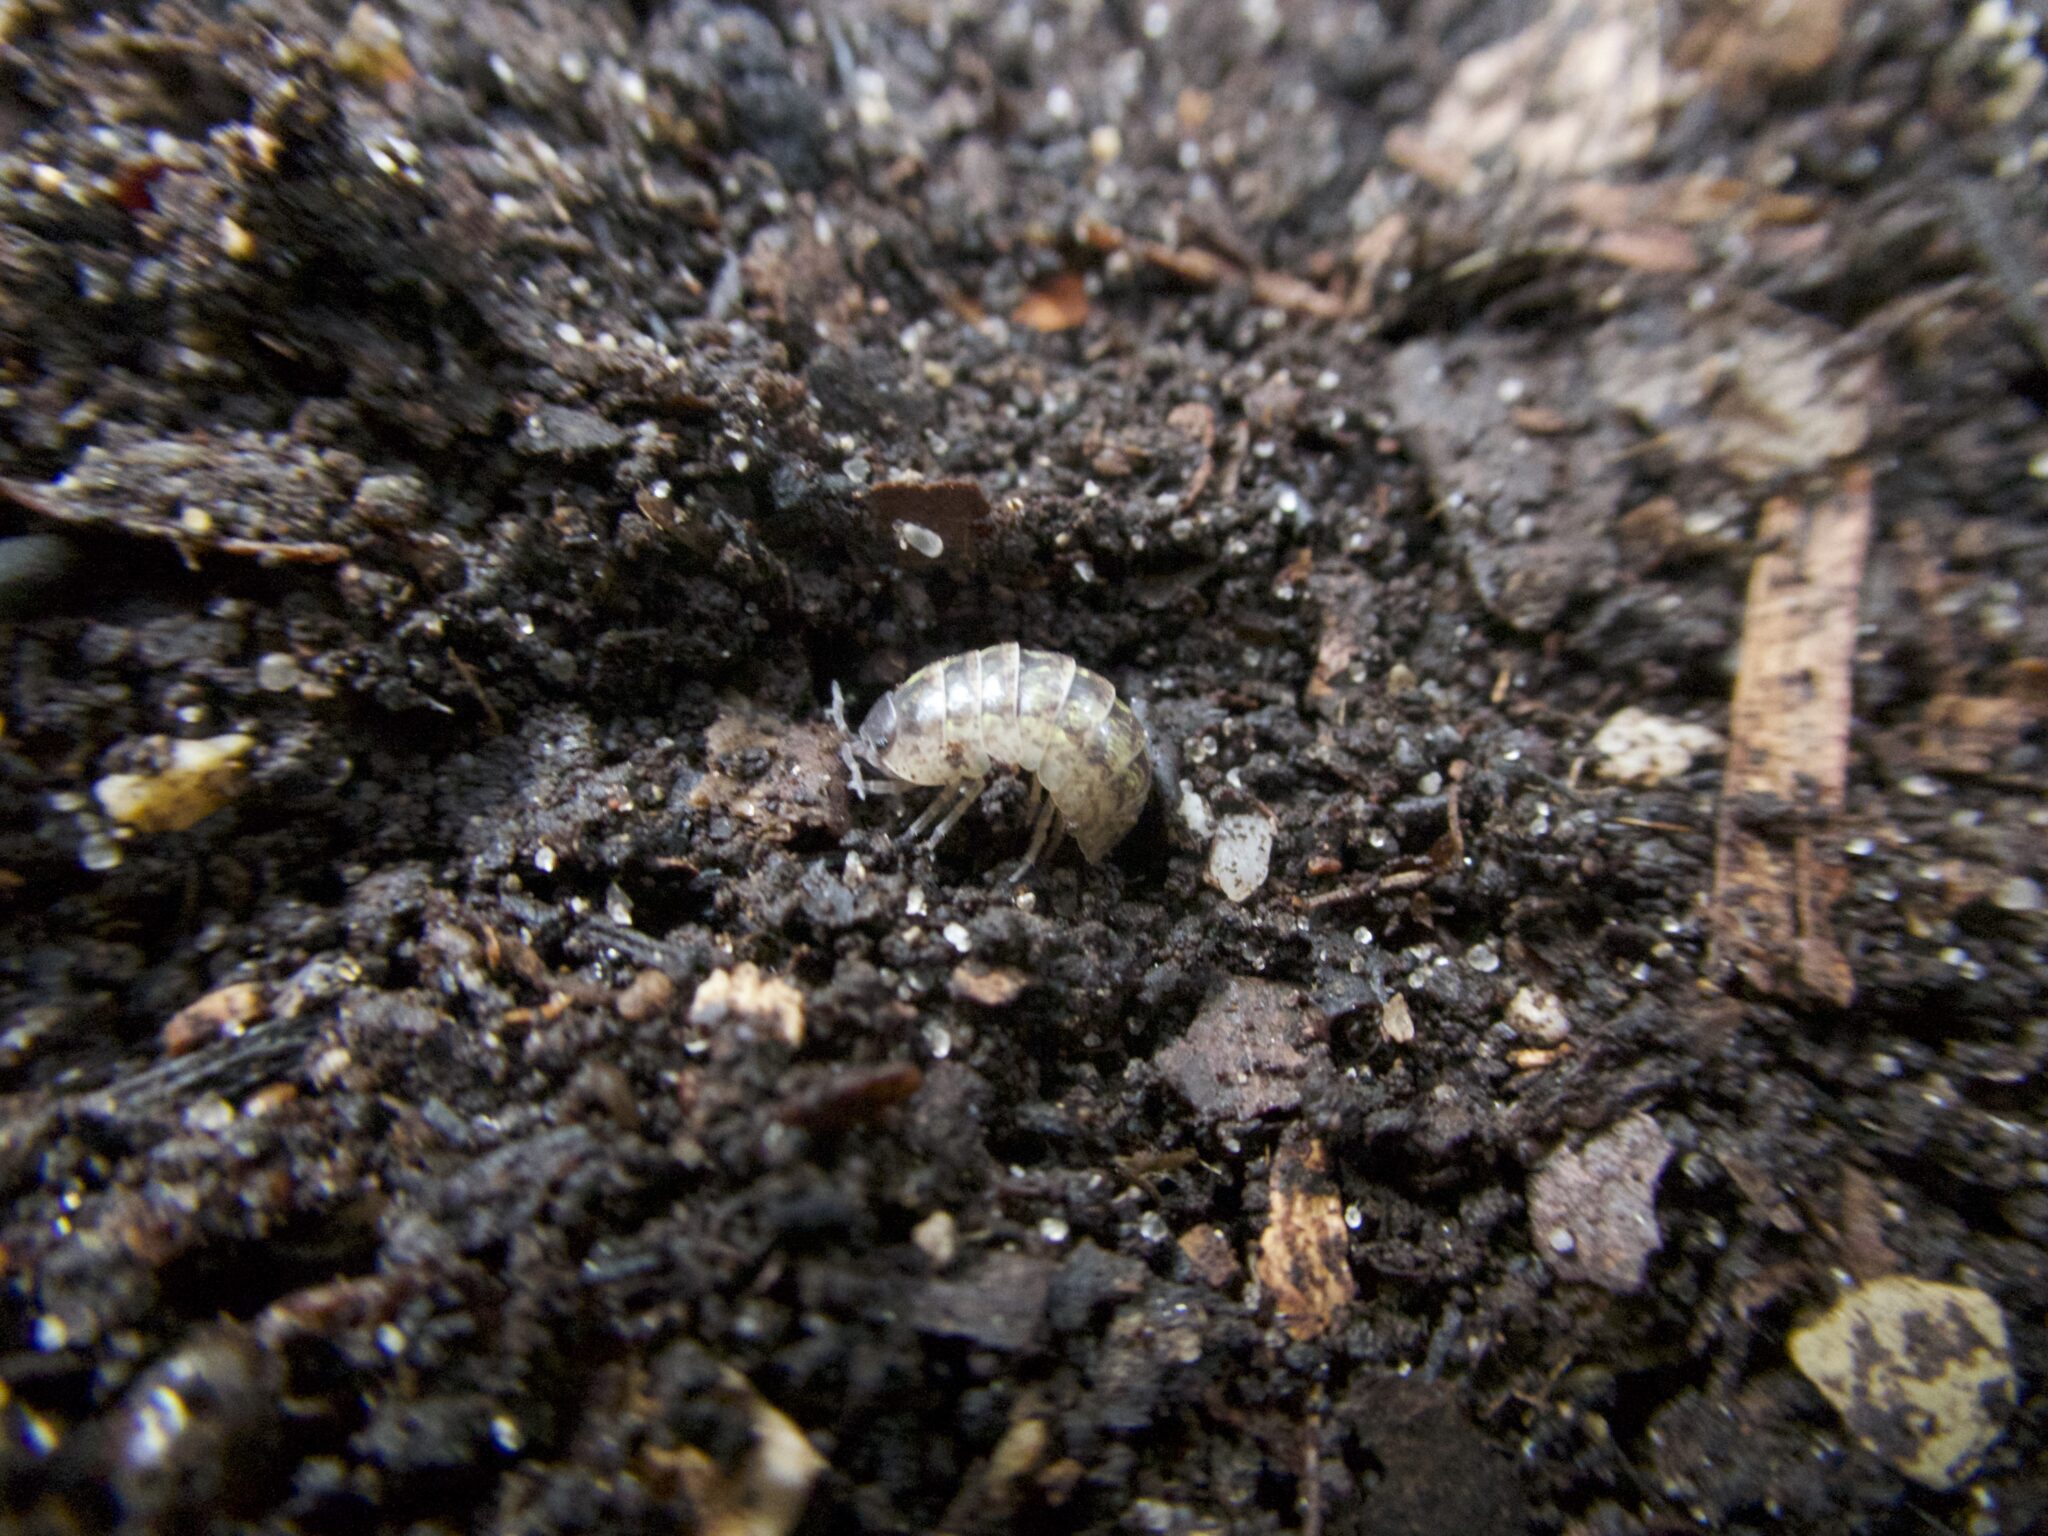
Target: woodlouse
[953,723]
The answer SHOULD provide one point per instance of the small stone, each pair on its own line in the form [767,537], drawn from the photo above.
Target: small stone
[236,241]
[371,50]
[1397,1023]
[1241,855]
[2019,894]
[1537,1015]
[745,995]
[647,996]
[919,540]
[277,672]
[192,780]
[937,1237]
[1210,1255]
[763,1489]
[990,986]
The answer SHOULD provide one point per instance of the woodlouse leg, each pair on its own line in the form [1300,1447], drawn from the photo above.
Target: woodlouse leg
[969,793]
[941,803]
[1031,802]
[1041,834]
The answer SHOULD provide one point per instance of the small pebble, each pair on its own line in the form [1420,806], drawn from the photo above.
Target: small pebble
[2019,894]
[647,996]
[938,1238]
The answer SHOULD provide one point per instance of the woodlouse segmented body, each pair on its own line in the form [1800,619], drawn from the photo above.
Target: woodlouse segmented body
[950,725]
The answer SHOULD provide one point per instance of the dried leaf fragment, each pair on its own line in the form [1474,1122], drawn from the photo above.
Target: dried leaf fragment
[1920,1371]
[1302,1261]
[1575,93]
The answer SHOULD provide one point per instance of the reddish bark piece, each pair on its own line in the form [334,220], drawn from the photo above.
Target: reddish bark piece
[956,510]
[1593,1212]
[1248,1052]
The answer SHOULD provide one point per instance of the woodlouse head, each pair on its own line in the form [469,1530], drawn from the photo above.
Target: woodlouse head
[877,732]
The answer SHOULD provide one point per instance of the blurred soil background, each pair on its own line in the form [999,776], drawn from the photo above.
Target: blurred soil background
[1566,482]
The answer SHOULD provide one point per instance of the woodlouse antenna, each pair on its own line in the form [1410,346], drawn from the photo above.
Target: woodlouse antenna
[838,717]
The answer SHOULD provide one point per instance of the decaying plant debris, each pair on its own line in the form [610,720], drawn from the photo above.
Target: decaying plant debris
[1560,485]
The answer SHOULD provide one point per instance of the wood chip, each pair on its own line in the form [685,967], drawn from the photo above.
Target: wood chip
[1967,734]
[1210,1256]
[226,1011]
[957,511]
[803,788]
[1776,871]
[1198,268]
[992,986]
[1302,1261]
[1297,296]
[1059,303]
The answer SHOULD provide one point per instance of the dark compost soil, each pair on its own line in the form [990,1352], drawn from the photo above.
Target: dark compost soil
[516,1088]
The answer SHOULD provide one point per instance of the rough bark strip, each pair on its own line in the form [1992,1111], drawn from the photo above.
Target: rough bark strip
[1302,1260]
[1776,871]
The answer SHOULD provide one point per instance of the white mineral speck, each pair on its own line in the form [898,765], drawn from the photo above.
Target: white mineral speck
[956,935]
[1241,855]
[1561,1240]
[918,538]
[1054,1229]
